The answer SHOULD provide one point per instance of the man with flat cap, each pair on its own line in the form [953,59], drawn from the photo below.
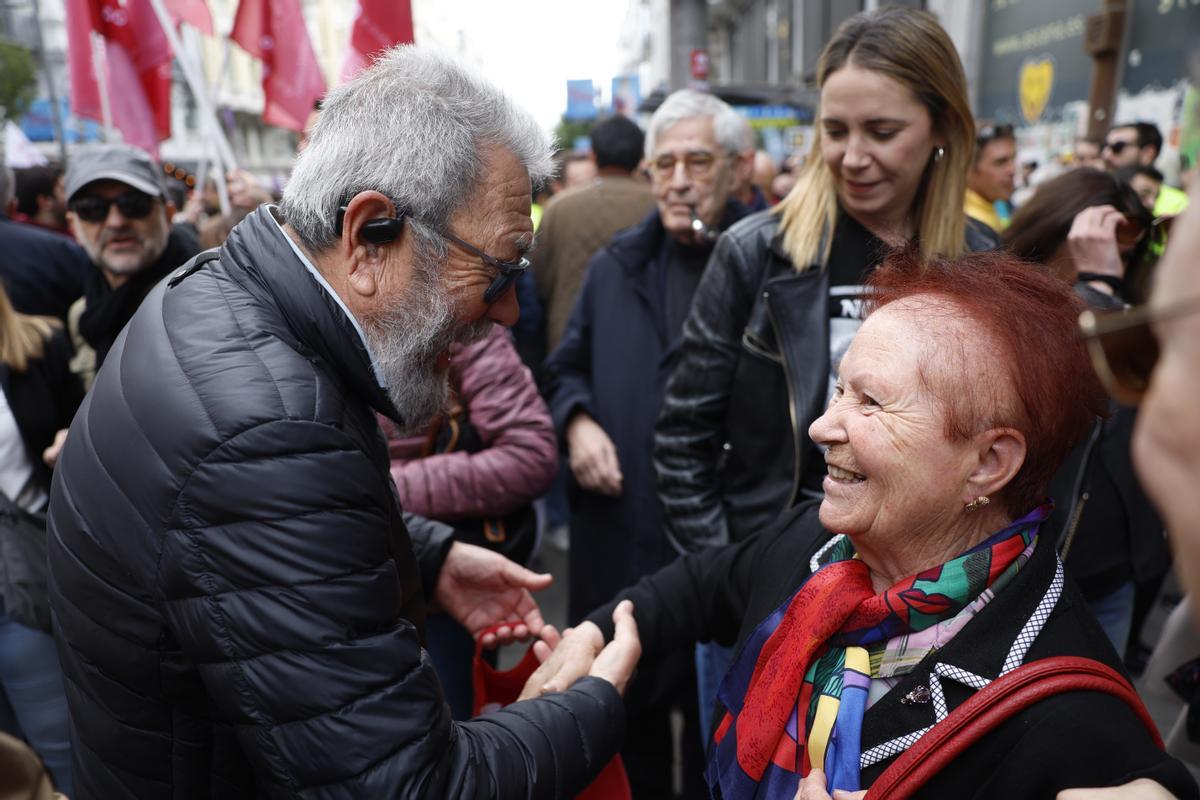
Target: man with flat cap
[118,209]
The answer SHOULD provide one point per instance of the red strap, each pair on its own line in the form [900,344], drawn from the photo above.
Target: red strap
[988,708]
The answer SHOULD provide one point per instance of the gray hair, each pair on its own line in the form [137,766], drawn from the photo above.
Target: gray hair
[414,127]
[688,104]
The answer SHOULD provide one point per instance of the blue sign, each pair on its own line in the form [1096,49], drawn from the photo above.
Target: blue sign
[626,94]
[581,100]
[38,124]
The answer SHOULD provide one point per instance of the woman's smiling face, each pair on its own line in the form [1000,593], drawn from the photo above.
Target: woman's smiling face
[893,473]
[876,138]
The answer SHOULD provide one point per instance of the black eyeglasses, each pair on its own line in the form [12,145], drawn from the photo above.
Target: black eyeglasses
[381,231]
[132,205]
[1123,346]
[1118,146]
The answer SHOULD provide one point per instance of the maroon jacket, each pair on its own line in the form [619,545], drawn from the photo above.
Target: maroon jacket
[520,455]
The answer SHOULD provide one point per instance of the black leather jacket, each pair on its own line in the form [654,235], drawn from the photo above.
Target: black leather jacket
[731,444]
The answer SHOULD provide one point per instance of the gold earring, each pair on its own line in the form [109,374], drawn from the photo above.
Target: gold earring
[977,503]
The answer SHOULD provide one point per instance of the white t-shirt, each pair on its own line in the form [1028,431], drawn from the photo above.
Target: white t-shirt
[16,471]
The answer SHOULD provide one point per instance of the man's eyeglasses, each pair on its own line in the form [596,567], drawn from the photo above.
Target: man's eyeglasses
[381,231]
[1123,346]
[698,164]
[132,205]
[1117,146]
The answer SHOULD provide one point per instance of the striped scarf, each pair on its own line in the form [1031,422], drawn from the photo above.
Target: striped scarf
[797,692]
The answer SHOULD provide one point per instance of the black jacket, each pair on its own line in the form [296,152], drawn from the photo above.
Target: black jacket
[42,271]
[613,362]
[43,400]
[731,445]
[236,599]
[1072,740]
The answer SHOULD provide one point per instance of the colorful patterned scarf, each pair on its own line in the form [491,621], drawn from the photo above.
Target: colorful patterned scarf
[796,694]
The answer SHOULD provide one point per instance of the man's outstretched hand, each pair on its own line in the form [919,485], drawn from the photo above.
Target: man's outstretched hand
[480,589]
[582,652]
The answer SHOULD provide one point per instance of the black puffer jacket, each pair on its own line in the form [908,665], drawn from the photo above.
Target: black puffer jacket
[731,445]
[236,599]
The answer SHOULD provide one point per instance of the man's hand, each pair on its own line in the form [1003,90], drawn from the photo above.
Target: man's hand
[50,454]
[480,589]
[593,456]
[245,192]
[582,652]
[813,788]
[1093,241]
[1141,789]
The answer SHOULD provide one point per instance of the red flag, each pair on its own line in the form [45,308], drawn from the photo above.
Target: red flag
[274,32]
[378,25]
[137,67]
[193,12]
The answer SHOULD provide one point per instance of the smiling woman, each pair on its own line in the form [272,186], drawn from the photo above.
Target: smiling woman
[863,621]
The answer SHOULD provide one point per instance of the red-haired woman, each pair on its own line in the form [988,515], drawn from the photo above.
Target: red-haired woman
[923,574]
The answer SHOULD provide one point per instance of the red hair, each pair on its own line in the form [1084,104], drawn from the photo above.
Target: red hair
[1032,375]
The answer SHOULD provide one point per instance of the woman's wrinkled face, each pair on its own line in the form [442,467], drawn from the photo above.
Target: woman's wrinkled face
[876,138]
[892,473]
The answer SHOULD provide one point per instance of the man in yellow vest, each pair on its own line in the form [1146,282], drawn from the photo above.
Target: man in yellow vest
[990,179]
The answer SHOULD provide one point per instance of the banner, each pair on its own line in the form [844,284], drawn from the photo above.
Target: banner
[273,31]
[193,12]
[378,25]
[581,100]
[122,41]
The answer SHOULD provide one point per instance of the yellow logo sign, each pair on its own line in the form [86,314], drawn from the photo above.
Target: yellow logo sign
[1036,82]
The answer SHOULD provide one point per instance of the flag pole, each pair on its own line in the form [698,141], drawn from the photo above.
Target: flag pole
[210,156]
[100,70]
[191,74]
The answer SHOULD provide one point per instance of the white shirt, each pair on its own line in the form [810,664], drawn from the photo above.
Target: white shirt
[16,471]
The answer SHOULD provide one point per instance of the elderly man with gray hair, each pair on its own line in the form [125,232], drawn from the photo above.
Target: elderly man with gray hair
[604,386]
[237,601]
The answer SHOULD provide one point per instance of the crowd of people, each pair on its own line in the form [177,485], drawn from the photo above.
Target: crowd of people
[830,437]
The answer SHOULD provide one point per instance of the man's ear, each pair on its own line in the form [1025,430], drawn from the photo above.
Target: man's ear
[1001,454]
[359,247]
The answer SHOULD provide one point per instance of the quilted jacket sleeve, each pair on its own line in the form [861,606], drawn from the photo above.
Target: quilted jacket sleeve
[519,458]
[285,594]
[690,432]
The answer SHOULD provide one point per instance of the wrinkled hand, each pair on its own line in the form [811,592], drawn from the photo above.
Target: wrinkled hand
[50,454]
[593,456]
[480,588]
[813,788]
[1141,789]
[582,652]
[1092,241]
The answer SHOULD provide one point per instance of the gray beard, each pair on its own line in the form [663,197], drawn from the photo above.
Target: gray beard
[406,343]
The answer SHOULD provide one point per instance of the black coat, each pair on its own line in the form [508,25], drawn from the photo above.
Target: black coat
[236,599]
[43,399]
[42,271]
[1074,739]
[731,445]
[613,362]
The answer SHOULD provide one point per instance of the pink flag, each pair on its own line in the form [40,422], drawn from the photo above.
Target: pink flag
[137,67]
[274,32]
[193,12]
[378,25]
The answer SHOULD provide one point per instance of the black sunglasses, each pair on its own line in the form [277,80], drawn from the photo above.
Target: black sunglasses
[1118,146]
[132,205]
[381,231]
[1123,346]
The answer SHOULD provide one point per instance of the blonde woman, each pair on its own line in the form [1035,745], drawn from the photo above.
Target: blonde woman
[38,397]
[780,300]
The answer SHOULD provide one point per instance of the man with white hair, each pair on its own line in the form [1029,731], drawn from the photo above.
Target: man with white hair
[237,601]
[604,385]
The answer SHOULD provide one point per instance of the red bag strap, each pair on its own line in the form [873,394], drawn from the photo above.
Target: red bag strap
[988,708]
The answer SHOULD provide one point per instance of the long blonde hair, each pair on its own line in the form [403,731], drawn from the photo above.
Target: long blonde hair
[22,337]
[910,47]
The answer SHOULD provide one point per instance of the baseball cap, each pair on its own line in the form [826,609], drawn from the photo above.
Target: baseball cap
[117,162]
